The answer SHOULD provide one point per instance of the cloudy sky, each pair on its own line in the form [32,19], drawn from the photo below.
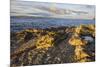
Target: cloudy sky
[57,10]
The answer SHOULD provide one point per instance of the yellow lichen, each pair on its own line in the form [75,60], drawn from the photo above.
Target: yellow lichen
[79,53]
[78,29]
[75,41]
[78,43]
[32,30]
[92,27]
[44,42]
[85,29]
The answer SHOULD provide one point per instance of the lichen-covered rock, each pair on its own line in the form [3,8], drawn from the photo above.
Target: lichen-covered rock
[44,42]
[76,41]
[53,45]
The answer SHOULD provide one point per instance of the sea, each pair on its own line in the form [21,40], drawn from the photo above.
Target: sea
[21,23]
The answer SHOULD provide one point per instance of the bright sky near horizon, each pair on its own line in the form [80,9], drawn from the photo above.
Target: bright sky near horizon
[33,8]
[91,2]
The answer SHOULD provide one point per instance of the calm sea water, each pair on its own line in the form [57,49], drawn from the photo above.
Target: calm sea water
[20,23]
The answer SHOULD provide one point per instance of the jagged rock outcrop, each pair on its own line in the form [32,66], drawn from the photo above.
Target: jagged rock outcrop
[53,45]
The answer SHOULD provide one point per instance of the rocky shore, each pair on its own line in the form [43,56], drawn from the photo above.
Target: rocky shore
[53,45]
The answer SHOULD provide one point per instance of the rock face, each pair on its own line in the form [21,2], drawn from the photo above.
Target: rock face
[53,46]
[78,40]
